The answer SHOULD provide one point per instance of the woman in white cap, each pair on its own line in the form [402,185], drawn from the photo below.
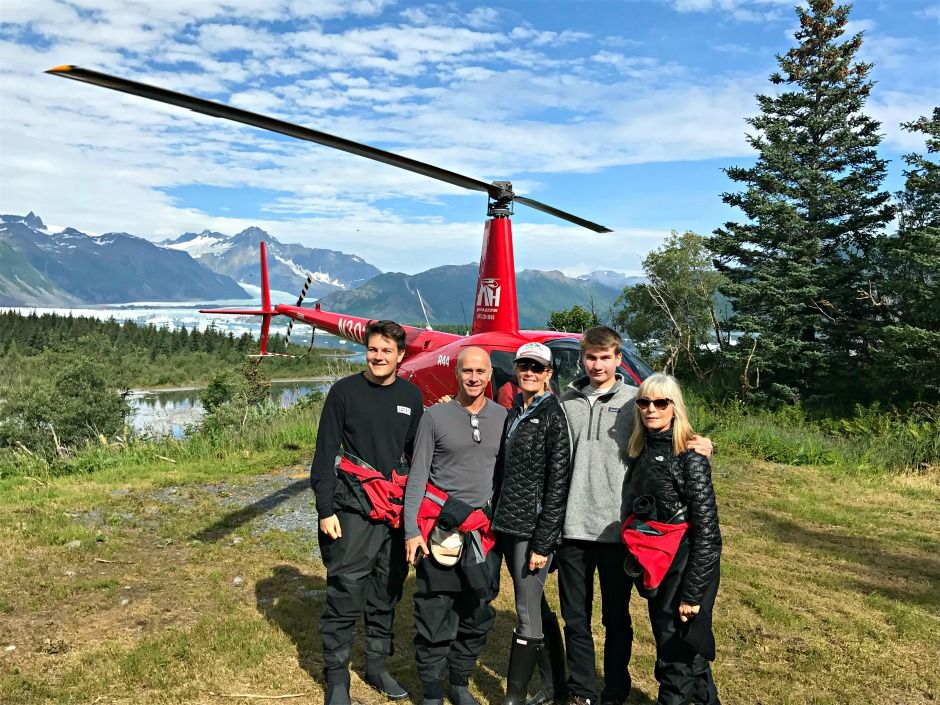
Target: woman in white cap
[531,494]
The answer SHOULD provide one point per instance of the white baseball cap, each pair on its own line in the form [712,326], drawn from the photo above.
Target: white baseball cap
[534,351]
[445,546]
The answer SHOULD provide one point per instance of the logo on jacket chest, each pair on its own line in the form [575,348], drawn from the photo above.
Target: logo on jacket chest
[404,410]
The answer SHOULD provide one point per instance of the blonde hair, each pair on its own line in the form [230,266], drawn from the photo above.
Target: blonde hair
[661,386]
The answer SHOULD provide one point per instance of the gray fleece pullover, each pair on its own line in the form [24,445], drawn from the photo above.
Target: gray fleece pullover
[446,455]
[599,438]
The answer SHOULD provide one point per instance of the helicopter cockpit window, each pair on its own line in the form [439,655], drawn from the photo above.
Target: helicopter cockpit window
[502,369]
[640,368]
[566,359]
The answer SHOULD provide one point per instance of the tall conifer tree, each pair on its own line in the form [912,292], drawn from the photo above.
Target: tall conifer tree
[905,293]
[814,209]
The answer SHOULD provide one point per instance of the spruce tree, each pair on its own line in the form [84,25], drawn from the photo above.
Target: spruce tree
[814,210]
[905,294]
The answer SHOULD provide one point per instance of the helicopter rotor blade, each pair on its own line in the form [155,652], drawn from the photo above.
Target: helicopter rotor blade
[545,208]
[227,112]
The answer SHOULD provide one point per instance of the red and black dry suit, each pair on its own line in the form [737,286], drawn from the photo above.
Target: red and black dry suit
[660,484]
[452,605]
[365,567]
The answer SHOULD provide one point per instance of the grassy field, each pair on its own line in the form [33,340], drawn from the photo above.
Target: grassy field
[162,579]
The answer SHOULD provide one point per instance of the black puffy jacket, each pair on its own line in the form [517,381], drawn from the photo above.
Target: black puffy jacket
[533,476]
[676,482]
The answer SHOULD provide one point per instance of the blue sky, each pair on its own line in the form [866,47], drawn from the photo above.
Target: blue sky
[623,112]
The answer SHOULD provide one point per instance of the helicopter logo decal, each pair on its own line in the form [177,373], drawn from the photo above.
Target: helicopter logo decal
[488,295]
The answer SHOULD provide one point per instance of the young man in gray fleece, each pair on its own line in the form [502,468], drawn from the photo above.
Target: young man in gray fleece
[600,409]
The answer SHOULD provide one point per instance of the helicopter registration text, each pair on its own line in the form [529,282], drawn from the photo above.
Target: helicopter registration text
[354,330]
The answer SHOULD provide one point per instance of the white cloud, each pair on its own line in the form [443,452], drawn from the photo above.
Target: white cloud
[741,10]
[481,17]
[932,12]
[492,95]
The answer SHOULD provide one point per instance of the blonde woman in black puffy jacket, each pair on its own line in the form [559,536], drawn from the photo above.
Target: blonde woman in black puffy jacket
[532,491]
[667,484]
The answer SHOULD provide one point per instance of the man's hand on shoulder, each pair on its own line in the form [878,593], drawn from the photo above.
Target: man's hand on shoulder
[330,526]
[701,445]
[415,549]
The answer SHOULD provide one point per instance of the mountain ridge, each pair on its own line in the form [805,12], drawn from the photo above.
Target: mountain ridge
[38,267]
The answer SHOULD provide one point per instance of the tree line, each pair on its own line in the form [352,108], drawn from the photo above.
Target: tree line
[32,333]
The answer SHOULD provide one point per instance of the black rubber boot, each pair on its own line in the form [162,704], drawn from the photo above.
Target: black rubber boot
[522,657]
[337,692]
[460,695]
[551,663]
[380,679]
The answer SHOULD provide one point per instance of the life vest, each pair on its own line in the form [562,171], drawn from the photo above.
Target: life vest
[653,544]
[477,520]
[385,496]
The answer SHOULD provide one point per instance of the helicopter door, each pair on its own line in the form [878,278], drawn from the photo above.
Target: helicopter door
[503,374]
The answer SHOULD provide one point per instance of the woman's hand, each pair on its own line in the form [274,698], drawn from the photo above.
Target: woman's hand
[537,562]
[687,611]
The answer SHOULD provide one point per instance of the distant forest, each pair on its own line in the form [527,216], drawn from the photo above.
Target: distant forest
[150,356]
[33,333]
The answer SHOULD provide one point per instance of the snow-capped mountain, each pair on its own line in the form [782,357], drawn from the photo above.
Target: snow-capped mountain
[288,264]
[614,280]
[38,267]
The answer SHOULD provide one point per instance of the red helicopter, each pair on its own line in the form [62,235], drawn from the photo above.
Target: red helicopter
[430,356]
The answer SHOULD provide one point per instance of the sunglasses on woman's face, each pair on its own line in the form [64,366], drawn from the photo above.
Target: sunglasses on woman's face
[661,404]
[475,425]
[531,366]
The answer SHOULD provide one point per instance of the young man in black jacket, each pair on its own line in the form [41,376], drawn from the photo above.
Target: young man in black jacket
[371,417]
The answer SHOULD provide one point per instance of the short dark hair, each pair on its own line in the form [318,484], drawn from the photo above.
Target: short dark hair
[601,337]
[387,329]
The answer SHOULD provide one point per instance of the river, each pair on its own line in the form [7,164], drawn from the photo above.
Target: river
[168,412]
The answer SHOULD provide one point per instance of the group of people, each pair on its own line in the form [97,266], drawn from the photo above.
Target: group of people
[581,483]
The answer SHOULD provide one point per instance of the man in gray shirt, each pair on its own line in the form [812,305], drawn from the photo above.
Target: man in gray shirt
[455,450]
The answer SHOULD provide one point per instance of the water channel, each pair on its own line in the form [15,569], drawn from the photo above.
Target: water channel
[168,412]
